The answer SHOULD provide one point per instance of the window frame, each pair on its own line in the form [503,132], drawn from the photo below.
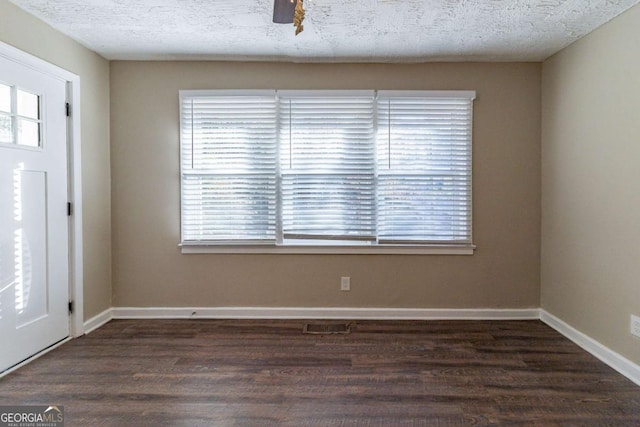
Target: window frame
[15,118]
[326,247]
[190,94]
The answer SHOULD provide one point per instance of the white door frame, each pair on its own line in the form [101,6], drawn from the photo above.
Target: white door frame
[74,192]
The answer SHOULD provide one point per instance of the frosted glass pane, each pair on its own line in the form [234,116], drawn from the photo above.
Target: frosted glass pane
[28,133]
[5,98]
[28,105]
[6,134]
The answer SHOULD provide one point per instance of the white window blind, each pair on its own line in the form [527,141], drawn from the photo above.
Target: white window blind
[228,167]
[424,167]
[327,166]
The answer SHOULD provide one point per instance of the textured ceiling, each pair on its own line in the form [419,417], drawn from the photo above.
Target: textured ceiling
[335,30]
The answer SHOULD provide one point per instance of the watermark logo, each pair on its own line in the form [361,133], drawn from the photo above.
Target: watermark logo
[32,416]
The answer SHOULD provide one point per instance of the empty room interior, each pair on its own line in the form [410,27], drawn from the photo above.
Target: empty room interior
[320,212]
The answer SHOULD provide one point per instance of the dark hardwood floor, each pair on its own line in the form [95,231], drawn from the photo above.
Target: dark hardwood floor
[267,373]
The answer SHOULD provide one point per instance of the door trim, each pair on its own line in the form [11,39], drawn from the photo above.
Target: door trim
[74,170]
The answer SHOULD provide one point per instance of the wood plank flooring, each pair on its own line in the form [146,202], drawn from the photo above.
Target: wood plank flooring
[267,373]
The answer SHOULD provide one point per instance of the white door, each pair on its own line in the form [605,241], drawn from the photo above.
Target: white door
[34,246]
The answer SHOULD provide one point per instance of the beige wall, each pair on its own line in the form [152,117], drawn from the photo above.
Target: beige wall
[150,271]
[21,30]
[591,184]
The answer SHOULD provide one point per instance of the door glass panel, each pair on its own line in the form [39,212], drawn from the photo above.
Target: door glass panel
[28,133]
[28,105]
[6,130]
[5,98]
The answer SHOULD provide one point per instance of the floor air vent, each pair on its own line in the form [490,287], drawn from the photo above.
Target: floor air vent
[326,328]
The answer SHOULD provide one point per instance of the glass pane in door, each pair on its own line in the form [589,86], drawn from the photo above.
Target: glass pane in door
[28,105]
[5,98]
[6,130]
[28,133]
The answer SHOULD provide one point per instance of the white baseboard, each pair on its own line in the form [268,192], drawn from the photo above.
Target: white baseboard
[322,313]
[98,320]
[605,354]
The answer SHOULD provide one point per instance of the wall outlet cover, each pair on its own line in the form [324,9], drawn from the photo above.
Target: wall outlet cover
[635,325]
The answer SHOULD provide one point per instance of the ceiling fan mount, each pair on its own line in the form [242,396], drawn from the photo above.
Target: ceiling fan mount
[289,12]
[283,11]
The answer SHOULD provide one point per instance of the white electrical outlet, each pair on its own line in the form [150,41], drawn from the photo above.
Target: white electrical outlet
[345,283]
[635,325]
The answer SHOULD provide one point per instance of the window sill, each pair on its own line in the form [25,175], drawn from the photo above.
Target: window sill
[188,248]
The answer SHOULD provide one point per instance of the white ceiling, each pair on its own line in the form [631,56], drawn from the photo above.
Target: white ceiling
[335,30]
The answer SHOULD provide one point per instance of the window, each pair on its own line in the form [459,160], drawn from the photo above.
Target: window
[20,122]
[363,169]
[327,167]
[229,169]
[424,168]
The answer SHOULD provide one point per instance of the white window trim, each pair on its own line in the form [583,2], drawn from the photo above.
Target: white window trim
[379,249]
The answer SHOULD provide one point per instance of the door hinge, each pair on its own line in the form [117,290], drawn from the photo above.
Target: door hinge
[68,109]
[71,307]
[69,209]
